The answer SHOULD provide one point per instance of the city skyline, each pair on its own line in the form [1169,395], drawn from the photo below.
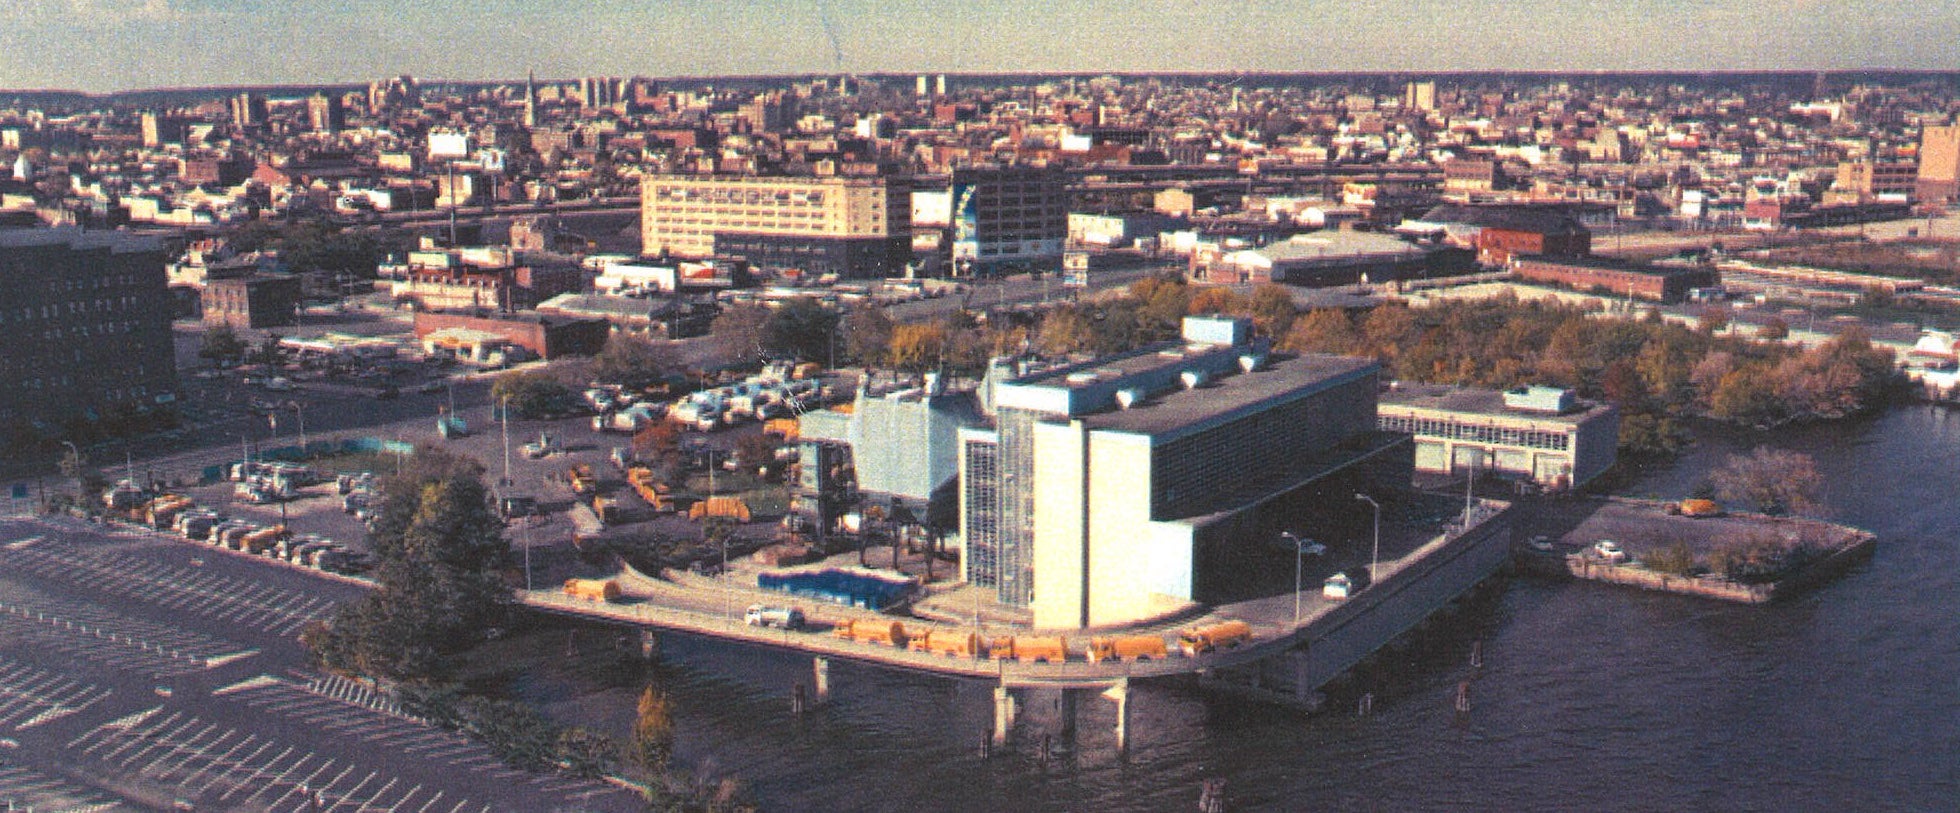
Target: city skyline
[103,46]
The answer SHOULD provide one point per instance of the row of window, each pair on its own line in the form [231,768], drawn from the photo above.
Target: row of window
[55,310]
[1478,433]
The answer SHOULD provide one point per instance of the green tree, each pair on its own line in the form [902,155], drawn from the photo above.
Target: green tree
[437,584]
[1065,330]
[1773,481]
[221,345]
[631,361]
[1271,308]
[532,393]
[802,329]
[1322,330]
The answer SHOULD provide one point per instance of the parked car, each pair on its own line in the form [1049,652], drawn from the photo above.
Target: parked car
[1337,587]
[1608,551]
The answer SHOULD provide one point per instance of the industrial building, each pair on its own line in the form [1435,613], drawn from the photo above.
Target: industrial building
[1612,277]
[87,320]
[902,448]
[852,226]
[1320,259]
[1129,487]
[1008,219]
[1541,434]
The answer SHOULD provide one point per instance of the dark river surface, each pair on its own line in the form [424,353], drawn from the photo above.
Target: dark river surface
[1590,697]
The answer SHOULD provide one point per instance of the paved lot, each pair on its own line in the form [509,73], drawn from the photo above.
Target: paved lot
[137,672]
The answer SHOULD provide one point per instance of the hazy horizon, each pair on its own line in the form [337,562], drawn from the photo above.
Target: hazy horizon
[108,46]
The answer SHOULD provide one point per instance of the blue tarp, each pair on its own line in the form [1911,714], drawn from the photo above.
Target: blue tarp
[838,587]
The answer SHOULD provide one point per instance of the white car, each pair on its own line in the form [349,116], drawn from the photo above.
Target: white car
[1337,587]
[1608,551]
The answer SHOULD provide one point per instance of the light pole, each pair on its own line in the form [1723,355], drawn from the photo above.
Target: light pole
[1375,560]
[505,413]
[75,455]
[299,411]
[1299,550]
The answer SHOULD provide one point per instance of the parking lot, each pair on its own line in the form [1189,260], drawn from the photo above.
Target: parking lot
[139,672]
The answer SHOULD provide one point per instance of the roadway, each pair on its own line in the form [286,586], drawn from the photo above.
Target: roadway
[142,672]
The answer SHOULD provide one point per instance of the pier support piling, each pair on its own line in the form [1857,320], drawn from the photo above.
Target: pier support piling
[1065,709]
[649,645]
[821,667]
[1003,713]
[1120,693]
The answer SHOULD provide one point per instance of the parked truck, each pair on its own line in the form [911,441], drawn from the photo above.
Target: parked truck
[1223,635]
[592,589]
[1129,648]
[1031,648]
[584,482]
[949,642]
[872,631]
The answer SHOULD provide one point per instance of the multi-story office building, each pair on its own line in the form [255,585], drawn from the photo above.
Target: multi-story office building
[324,113]
[252,302]
[852,226]
[1873,180]
[1008,219]
[1542,434]
[1128,487]
[1939,164]
[87,321]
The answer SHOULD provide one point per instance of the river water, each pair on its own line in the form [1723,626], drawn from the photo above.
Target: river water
[1589,697]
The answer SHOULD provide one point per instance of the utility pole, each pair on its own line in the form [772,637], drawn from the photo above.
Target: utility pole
[1375,560]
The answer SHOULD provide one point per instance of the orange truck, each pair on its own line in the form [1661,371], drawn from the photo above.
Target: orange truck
[949,642]
[1223,635]
[592,589]
[1030,649]
[164,510]
[871,631]
[261,540]
[1130,648]
[731,507]
[653,491]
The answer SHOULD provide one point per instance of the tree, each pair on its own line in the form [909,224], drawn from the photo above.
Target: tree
[221,345]
[739,331]
[917,348]
[270,351]
[801,329]
[653,732]
[1773,329]
[531,394]
[1773,481]
[1271,308]
[1065,330]
[1322,330]
[755,451]
[659,446]
[437,587]
[1215,299]
[631,361]
[867,334]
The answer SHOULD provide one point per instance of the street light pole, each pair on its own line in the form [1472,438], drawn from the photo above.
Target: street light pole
[299,410]
[76,454]
[1299,550]
[1375,560]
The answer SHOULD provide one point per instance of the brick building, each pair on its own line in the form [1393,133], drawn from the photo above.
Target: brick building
[1598,274]
[548,337]
[252,302]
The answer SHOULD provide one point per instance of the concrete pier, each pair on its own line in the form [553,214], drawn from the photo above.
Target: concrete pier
[1121,694]
[821,667]
[1065,709]
[649,645]
[1003,713]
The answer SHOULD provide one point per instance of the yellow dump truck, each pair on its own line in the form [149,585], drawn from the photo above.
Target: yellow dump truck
[1700,508]
[1029,649]
[592,589]
[731,507]
[584,482]
[1127,648]
[871,631]
[786,428]
[1223,635]
[949,642]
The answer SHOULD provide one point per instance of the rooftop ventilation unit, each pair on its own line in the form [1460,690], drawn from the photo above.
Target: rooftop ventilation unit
[1192,379]
[1129,397]
[1250,362]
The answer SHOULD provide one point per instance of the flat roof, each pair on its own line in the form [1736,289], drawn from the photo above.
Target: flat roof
[1334,246]
[1103,370]
[1179,409]
[76,238]
[1469,401]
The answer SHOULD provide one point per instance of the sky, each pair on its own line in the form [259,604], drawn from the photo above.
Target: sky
[108,45]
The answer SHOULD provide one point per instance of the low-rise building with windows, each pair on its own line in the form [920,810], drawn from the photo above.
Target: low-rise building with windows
[1541,434]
